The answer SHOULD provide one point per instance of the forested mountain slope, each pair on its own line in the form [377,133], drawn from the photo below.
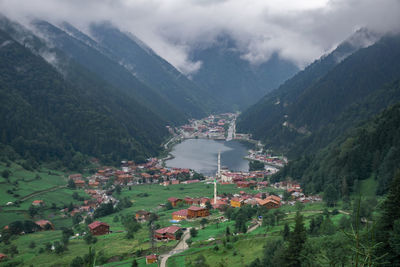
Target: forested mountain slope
[232,79]
[371,150]
[110,71]
[151,69]
[49,116]
[304,118]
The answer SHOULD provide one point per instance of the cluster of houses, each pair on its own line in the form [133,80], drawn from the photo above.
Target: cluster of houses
[212,127]
[132,174]
[198,206]
[296,193]
[267,159]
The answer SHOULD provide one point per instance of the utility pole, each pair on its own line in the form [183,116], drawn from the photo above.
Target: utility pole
[218,175]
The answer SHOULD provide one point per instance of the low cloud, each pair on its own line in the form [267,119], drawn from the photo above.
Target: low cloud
[299,31]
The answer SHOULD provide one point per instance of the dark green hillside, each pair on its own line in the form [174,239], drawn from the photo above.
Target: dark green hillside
[45,118]
[234,80]
[264,119]
[111,72]
[303,117]
[151,69]
[372,150]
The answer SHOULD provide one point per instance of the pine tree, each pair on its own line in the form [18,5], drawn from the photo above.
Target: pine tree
[388,224]
[286,232]
[296,242]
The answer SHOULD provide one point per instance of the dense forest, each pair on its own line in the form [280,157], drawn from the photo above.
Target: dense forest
[370,151]
[47,117]
[327,98]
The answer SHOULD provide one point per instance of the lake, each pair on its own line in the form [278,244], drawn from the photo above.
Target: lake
[201,155]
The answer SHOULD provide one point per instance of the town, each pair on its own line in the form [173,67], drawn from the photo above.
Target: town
[99,195]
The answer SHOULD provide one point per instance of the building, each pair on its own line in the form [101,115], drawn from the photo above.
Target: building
[271,202]
[180,215]
[174,201]
[168,233]
[195,212]
[188,200]
[75,176]
[143,215]
[45,225]
[243,184]
[151,259]
[99,228]
[3,256]
[38,203]
[236,202]
[79,183]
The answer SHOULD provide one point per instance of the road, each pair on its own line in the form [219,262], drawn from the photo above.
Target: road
[180,247]
[231,130]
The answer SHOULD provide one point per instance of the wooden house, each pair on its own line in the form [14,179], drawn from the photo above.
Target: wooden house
[170,233]
[174,201]
[79,183]
[180,215]
[99,228]
[3,257]
[143,215]
[195,212]
[151,259]
[45,225]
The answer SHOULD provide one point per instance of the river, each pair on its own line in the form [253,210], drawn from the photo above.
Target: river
[201,155]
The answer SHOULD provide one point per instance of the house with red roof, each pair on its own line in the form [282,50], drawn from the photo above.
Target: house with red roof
[174,201]
[180,215]
[99,228]
[151,259]
[79,183]
[3,256]
[168,233]
[195,212]
[45,225]
[271,202]
[75,176]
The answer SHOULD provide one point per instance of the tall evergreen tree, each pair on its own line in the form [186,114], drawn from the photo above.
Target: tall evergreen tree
[388,224]
[296,242]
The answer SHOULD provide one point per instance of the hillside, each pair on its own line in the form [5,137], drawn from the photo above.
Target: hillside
[46,117]
[234,80]
[303,109]
[370,151]
[154,71]
[110,71]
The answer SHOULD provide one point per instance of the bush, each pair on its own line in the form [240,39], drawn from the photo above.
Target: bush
[193,232]
[5,174]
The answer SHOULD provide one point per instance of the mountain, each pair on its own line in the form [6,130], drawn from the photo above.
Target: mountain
[109,71]
[369,151]
[303,115]
[60,111]
[233,80]
[149,68]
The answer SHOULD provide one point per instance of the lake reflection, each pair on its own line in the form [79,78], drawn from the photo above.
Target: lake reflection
[201,155]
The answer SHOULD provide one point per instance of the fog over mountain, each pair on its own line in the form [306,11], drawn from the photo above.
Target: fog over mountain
[299,31]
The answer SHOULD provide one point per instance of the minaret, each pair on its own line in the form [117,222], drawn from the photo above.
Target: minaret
[217,175]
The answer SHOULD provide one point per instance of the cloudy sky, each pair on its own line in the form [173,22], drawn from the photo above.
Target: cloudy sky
[298,30]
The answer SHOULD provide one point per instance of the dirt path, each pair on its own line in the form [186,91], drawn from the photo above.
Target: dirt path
[254,227]
[180,247]
[42,192]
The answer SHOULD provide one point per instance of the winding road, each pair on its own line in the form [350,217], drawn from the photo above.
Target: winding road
[180,247]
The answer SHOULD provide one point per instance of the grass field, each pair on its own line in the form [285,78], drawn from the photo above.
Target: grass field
[143,197]
[46,185]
